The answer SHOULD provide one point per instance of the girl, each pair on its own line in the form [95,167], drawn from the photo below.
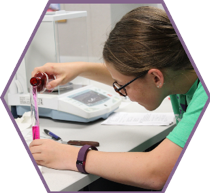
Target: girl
[144,60]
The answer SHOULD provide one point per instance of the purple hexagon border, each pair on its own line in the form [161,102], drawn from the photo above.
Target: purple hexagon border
[104,2]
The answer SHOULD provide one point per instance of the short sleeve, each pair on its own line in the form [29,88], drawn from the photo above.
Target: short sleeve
[182,131]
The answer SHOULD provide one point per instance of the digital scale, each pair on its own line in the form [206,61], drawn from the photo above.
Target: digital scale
[76,101]
[84,104]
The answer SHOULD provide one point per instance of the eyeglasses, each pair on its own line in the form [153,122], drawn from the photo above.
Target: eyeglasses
[120,89]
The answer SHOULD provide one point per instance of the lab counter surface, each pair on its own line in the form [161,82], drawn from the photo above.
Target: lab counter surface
[111,138]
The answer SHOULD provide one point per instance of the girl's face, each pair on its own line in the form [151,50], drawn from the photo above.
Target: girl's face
[143,90]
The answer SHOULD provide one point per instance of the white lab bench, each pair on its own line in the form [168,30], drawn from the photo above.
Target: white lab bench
[111,139]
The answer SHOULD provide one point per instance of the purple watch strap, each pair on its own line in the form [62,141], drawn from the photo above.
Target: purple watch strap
[82,157]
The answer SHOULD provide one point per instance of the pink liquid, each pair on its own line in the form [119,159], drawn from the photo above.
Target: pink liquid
[35,132]
[35,127]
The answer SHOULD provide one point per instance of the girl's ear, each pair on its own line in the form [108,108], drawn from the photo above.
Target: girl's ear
[157,77]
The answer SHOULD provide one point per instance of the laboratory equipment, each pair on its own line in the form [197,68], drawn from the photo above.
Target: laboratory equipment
[76,101]
[34,113]
[40,81]
[84,104]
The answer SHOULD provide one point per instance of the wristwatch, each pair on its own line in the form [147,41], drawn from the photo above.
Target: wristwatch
[82,157]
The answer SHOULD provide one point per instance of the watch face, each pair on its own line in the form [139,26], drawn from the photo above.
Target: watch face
[80,163]
[81,166]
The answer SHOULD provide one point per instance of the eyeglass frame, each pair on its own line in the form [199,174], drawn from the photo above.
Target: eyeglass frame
[123,86]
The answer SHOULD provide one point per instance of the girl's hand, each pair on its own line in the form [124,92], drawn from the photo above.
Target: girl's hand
[52,154]
[64,72]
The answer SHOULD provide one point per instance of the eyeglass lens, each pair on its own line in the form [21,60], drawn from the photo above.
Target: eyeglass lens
[122,91]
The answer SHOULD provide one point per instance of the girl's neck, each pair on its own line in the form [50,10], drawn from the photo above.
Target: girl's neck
[182,82]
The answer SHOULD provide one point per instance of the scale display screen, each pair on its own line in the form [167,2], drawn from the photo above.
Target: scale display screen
[90,98]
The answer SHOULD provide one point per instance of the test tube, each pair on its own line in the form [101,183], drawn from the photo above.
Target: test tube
[34,113]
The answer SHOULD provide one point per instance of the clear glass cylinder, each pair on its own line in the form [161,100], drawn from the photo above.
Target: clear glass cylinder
[34,113]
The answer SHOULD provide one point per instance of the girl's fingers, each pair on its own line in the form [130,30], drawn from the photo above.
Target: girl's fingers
[38,157]
[35,149]
[48,68]
[34,143]
[37,142]
[53,83]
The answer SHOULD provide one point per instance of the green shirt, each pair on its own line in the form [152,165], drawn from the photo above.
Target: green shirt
[187,108]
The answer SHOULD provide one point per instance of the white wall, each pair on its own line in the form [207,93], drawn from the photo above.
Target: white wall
[119,10]
[95,28]
[98,26]
[100,20]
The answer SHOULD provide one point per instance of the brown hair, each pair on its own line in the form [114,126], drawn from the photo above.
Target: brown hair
[143,39]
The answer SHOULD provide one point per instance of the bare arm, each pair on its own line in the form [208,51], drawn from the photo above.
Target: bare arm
[66,72]
[97,72]
[142,169]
